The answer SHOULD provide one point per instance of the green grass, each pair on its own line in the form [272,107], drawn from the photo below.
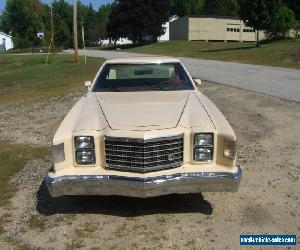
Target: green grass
[28,78]
[12,160]
[280,53]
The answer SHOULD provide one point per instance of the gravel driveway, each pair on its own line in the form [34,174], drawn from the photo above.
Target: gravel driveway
[268,200]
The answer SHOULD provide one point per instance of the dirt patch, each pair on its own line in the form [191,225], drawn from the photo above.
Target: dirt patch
[267,202]
[34,123]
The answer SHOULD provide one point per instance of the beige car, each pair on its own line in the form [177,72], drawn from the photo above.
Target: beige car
[143,129]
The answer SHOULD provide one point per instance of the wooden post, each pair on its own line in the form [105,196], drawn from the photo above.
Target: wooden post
[75,31]
[257,38]
[83,41]
[52,30]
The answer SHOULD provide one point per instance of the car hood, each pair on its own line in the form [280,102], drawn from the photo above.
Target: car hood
[151,110]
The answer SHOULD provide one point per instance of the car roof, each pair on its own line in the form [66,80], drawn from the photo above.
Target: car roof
[143,60]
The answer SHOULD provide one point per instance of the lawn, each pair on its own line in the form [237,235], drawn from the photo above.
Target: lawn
[280,53]
[28,78]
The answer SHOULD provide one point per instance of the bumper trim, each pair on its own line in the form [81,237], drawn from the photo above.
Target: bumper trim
[180,183]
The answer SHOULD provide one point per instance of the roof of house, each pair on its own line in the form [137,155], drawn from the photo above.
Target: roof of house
[4,34]
[217,17]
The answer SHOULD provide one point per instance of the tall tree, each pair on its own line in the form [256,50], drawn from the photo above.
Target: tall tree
[135,19]
[62,18]
[22,19]
[102,20]
[90,24]
[269,15]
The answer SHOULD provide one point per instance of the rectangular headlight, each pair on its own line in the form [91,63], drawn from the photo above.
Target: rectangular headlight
[58,153]
[203,146]
[85,157]
[205,139]
[84,142]
[85,150]
[203,154]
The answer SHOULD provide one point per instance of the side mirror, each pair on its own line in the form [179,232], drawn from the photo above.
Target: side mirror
[198,82]
[88,84]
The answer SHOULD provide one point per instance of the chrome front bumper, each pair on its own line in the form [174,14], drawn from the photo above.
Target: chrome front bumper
[180,183]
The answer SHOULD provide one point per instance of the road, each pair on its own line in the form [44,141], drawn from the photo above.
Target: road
[274,81]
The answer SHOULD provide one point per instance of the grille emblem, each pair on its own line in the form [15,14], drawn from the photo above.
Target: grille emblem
[171,157]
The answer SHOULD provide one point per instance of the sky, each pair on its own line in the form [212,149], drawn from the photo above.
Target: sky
[96,3]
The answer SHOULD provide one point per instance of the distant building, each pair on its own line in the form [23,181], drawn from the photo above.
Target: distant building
[6,42]
[166,35]
[120,41]
[212,28]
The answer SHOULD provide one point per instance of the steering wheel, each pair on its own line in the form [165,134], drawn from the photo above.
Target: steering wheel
[169,84]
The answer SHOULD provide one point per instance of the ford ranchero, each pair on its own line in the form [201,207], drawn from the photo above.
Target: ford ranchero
[143,129]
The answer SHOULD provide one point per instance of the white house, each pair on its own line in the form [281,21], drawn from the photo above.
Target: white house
[6,40]
[166,36]
[121,41]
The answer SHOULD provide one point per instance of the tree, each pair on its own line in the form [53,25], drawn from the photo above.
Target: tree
[45,24]
[63,23]
[135,19]
[22,19]
[269,15]
[102,20]
[186,7]
[282,20]
[222,7]
[255,14]
[90,25]
[294,5]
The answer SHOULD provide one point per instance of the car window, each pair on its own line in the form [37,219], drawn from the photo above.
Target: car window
[143,77]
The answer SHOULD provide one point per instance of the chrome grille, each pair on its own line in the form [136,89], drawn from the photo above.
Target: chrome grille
[139,155]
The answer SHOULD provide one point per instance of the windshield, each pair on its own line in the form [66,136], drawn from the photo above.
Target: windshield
[142,77]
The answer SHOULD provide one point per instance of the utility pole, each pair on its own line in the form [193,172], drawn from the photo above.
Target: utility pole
[75,31]
[52,30]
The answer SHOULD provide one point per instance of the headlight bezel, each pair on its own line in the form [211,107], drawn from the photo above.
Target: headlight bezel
[207,146]
[86,149]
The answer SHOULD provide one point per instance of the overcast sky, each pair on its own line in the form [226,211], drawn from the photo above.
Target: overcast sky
[95,3]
